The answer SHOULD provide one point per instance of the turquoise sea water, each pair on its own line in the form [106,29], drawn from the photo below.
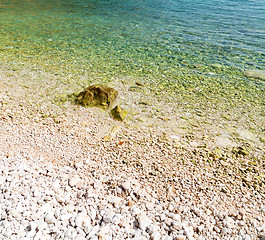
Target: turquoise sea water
[197,46]
[179,67]
[136,37]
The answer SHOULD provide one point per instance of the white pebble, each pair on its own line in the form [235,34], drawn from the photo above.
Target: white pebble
[229,222]
[49,218]
[70,233]
[82,220]
[143,221]
[75,181]
[126,185]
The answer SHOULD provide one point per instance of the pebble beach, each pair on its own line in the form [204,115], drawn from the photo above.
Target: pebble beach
[187,162]
[75,173]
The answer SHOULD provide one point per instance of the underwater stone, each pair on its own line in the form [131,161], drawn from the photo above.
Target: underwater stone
[118,113]
[97,96]
[240,151]
[246,135]
[135,88]
[260,74]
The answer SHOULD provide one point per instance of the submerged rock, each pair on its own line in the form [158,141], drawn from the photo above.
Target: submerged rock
[260,74]
[246,135]
[118,113]
[97,96]
[240,151]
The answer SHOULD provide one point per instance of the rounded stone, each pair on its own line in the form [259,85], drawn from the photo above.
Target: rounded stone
[49,218]
[75,181]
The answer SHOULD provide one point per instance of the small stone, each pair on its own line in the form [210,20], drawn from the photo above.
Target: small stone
[82,220]
[36,193]
[59,198]
[175,217]
[80,237]
[176,226]
[180,237]
[57,213]
[143,221]
[222,142]
[246,135]
[162,217]
[78,165]
[118,190]
[38,236]
[45,208]
[8,233]
[92,214]
[75,181]
[189,232]
[65,218]
[94,237]
[155,236]
[107,218]
[70,233]
[136,210]
[261,228]
[56,186]
[168,221]
[116,219]
[171,206]
[42,225]
[104,231]
[241,223]
[14,213]
[217,229]
[118,113]
[259,74]
[229,222]
[153,228]
[247,237]
[225,230]
[115,201]
[92,232]
[49,218]
[126,185]
[138,236]
[49,192]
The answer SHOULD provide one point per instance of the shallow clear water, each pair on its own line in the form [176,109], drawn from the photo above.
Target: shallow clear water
[190,55]
[195,49]
[136,37]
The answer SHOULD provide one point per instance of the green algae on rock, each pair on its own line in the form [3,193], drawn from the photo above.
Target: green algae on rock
[97,96]
[118,113]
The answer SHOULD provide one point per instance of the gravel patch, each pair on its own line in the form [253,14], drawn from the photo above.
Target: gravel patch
[61,180]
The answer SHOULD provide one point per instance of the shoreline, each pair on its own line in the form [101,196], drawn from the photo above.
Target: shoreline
[209,138]
[168,171]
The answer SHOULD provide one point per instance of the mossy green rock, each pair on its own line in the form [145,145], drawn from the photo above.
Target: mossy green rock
[118,113]
[97,96]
